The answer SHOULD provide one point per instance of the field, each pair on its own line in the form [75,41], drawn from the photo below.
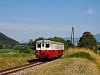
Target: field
[76,61]
[12,58]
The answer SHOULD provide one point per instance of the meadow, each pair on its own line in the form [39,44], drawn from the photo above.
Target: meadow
[12,58]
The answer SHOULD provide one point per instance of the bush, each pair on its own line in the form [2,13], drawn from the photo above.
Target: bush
[88,41]
[79,54]
[23,49]
[1,46]
[99,48]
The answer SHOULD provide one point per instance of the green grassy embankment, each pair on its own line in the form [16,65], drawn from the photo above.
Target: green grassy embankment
[12,58]
[84,53]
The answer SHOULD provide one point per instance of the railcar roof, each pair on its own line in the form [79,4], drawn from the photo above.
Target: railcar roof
[48,41]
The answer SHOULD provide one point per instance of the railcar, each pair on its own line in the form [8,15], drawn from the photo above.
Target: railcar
[49,49]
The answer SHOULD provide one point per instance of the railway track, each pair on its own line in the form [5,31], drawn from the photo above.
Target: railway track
[15,69]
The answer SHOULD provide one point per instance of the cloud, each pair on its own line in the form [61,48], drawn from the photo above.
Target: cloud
[90,11]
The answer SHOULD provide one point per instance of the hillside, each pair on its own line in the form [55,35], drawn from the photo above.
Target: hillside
[6,40]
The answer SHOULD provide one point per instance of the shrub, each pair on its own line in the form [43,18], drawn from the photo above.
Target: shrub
[79,54]
[88,41]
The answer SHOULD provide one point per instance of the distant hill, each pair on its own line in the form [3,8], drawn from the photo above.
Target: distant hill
[6,40]
[69,38]
[97,36]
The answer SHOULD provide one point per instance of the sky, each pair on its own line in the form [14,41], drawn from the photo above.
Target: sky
[29,19]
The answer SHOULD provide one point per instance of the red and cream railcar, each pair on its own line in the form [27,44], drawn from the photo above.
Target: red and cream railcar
[49,49]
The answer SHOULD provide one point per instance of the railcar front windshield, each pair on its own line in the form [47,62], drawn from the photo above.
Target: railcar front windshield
[47,45]
[43,45]
[39,45]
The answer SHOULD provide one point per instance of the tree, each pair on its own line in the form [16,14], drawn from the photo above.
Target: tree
[1,46]
[69,43]
[59,39]
[88,41]
[32,43]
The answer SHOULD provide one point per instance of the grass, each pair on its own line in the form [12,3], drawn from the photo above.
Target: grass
[8,51]
[77,61]
[90,53]
[12,58]
[14,53]
[66,66]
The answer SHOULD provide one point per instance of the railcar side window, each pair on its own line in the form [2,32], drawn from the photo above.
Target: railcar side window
[47,45]
[39,45]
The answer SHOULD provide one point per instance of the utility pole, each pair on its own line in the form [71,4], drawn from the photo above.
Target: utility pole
[72,36]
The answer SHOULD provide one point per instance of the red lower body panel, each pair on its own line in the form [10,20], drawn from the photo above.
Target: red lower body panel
[48,53]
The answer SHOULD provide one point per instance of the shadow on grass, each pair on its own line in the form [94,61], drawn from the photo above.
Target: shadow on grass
[33,60]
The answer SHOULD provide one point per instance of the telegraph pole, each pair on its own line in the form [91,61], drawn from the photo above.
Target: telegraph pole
[72,36]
